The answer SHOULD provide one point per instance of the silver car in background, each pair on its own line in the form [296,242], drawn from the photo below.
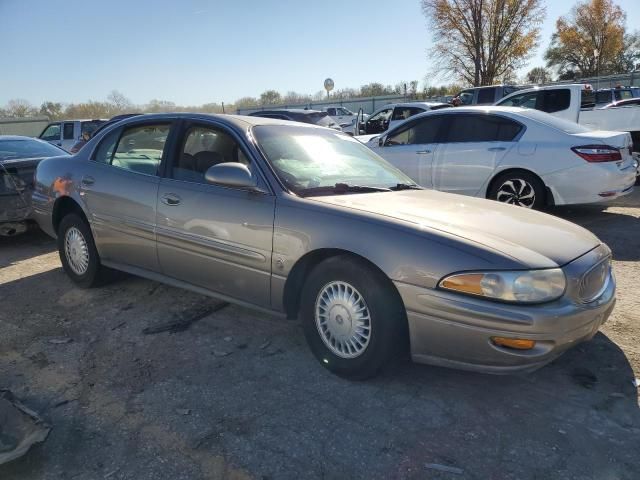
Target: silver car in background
[307,222]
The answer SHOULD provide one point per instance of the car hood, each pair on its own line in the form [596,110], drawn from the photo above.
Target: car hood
[366,138]
[534,239]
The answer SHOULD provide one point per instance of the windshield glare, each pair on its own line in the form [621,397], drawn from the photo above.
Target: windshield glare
[305,158]
[13,149]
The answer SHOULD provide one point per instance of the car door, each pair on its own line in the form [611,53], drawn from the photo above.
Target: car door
[69,136]
[120,189]
[412,147]
[52,134]
[213,236]
[474,145]
[378,122]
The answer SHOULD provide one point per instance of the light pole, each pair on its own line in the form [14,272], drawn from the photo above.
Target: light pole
[596,54]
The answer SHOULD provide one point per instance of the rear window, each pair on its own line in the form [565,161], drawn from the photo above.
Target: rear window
[16,149]
[90,127]
[554,122]
[319,118]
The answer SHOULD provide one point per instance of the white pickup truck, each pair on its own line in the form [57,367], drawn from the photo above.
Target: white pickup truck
[576,102]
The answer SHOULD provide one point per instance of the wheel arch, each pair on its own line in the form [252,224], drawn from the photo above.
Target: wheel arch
[305,264]
[62,207]
[549,200]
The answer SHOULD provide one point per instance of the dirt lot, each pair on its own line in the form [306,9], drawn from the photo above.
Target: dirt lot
[238,394]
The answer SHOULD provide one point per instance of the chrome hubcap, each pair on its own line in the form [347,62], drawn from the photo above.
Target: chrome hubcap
[517,192]
[76,251]
[343,320]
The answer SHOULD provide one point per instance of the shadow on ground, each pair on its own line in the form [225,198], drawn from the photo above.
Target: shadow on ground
[238,395]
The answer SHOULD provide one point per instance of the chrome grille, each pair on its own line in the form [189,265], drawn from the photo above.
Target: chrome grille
[595,281]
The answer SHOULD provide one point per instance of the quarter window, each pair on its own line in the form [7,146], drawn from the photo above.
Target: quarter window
[482,128]
[202,148]
[104,152]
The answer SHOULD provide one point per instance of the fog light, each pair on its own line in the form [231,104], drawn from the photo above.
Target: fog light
[515,343]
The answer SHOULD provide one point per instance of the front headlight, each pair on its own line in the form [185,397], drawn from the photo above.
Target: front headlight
[534,286]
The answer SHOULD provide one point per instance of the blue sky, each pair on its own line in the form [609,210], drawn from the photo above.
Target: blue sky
[197,51]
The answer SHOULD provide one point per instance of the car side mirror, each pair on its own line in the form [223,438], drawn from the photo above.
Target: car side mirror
[382,141]
[231,174]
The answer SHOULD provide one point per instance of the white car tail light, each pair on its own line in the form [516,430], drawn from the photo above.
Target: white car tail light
[598,153]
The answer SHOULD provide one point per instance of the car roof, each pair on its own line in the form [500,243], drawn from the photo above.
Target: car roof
[18,137]
[476,109]
[238,121]
[302,111]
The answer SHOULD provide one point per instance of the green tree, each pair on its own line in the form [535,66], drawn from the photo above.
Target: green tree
[270,97]
[538,75]
[590,40]
[52,110]
[483,41]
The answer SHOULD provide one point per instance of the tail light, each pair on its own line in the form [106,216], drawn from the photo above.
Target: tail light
[598,153]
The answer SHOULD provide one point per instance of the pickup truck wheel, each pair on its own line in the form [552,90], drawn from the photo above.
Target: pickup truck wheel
[78,254]
[518,188]
[353,319]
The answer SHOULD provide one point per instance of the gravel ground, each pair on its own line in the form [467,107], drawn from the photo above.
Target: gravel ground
[238,395]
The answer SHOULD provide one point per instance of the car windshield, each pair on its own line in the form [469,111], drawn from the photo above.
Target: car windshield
[566,126]
[321,118]
[27,148]
[305,159]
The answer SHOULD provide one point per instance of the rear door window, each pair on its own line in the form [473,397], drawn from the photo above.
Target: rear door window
[424,130]
[138,148]
[556,100]
[482,128]
[486,96]
[68,131]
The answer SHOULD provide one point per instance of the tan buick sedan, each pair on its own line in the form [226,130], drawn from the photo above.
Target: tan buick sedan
[308,223]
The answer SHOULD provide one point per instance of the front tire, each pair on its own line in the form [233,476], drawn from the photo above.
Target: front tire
[78,254]
[353,318]
[523,189]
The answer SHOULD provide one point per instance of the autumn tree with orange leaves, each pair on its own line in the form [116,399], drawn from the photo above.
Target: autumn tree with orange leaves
[590,40]
[483,42]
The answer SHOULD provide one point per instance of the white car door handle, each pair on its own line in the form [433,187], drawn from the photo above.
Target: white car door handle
[422,151]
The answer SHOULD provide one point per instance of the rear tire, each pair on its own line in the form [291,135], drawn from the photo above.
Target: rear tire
[78,254]
[353,318]
[519,188]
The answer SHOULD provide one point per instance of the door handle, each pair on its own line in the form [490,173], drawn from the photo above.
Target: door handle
[497,149]
[422,151]
[171,199]
[88,180]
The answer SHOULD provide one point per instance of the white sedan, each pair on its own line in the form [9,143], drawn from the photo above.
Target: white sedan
[520,156]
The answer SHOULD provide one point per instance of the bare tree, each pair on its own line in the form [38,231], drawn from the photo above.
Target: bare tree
[483,41]
[119,101]
[19,107]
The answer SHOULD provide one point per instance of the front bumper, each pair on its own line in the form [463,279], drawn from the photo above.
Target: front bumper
[454,330]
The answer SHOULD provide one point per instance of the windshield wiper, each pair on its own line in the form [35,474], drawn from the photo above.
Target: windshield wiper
[406,186]
[340,188]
